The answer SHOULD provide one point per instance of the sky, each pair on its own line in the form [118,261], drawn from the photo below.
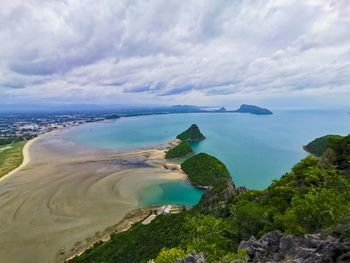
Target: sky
[278,53]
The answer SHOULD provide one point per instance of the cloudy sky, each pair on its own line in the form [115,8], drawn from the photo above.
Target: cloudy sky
[274,52]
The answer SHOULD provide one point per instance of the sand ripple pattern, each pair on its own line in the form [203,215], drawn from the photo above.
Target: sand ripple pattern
[67,194]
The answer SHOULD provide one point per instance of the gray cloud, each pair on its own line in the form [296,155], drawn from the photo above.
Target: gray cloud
[165,51]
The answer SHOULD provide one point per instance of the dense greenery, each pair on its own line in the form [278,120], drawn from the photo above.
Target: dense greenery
[11,157]
[204,170]
[180,150]
[319,145]
[191,134]
[313,197]
[140,243]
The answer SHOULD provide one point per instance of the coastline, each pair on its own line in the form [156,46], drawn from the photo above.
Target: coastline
[26,159]
[68,193]
[134,216]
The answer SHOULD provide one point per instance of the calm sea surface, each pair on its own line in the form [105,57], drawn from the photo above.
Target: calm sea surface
[256,149]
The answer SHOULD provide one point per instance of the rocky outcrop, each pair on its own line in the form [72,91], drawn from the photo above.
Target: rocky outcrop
[193,258]
[277,247]
[241,189]
[213,200]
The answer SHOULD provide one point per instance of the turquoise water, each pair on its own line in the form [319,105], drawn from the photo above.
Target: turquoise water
[176,192]
[256,149]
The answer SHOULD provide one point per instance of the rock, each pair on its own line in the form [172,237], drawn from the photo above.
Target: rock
[193,258]
[241,189]
[213,200]
[278,247]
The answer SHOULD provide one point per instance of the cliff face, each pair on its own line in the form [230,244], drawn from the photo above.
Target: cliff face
[214,200]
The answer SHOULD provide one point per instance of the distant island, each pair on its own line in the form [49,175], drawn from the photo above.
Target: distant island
[191,134]
[222,109]
[252,109]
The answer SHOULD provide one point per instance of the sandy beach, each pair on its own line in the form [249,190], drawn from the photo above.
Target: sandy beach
[64,196]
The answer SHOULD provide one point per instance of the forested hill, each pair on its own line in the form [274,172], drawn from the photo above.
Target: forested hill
[313,198]
[191,134]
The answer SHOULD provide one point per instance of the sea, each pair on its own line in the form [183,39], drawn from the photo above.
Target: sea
[256,149]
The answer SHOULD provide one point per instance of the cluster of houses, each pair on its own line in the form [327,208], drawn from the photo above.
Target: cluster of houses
[163,210]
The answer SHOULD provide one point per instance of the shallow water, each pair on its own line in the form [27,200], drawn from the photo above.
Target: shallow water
[176,192]
[256,149]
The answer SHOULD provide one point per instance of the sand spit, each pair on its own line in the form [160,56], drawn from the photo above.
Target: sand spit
[67,194]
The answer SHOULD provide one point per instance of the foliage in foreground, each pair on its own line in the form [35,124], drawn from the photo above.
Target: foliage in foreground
[180,150]
[309,199]
[204,170]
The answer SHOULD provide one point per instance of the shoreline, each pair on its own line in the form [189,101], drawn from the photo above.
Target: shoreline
[26,159]
[70,194]
[135,216]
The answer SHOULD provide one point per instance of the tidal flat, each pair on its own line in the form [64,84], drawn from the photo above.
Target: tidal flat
[68,194]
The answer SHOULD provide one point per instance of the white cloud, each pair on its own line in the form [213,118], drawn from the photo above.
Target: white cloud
[198,52]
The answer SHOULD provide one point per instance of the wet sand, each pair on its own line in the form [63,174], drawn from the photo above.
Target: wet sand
[67,194]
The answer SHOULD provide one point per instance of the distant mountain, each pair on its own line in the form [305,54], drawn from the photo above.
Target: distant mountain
[222,109]
[252,109]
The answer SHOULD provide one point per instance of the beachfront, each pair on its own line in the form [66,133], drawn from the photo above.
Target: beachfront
[65,196]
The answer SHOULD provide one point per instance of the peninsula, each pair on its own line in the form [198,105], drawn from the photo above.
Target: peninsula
[319,145]
[204,170]
[183,149]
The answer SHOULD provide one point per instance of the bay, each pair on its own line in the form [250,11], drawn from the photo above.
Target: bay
[255,148]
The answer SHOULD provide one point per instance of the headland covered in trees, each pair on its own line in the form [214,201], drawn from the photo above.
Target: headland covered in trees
[301,217]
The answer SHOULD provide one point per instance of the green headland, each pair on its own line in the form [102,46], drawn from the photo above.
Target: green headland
[203,170]
[181,150]
[319,145]
[191,134]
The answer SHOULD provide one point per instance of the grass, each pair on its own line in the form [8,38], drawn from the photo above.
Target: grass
[11,158]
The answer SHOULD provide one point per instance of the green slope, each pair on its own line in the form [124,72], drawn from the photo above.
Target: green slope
[180,150]
[204,170]
[191,134]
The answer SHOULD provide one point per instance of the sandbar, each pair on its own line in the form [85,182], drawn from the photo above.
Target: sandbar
[63,194]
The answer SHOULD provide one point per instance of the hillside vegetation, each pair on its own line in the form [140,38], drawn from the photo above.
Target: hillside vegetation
[204,170]
[319,145]
[313,197]
[180,150]
[191,134]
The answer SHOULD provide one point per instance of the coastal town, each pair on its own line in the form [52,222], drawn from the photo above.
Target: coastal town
[26,126]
